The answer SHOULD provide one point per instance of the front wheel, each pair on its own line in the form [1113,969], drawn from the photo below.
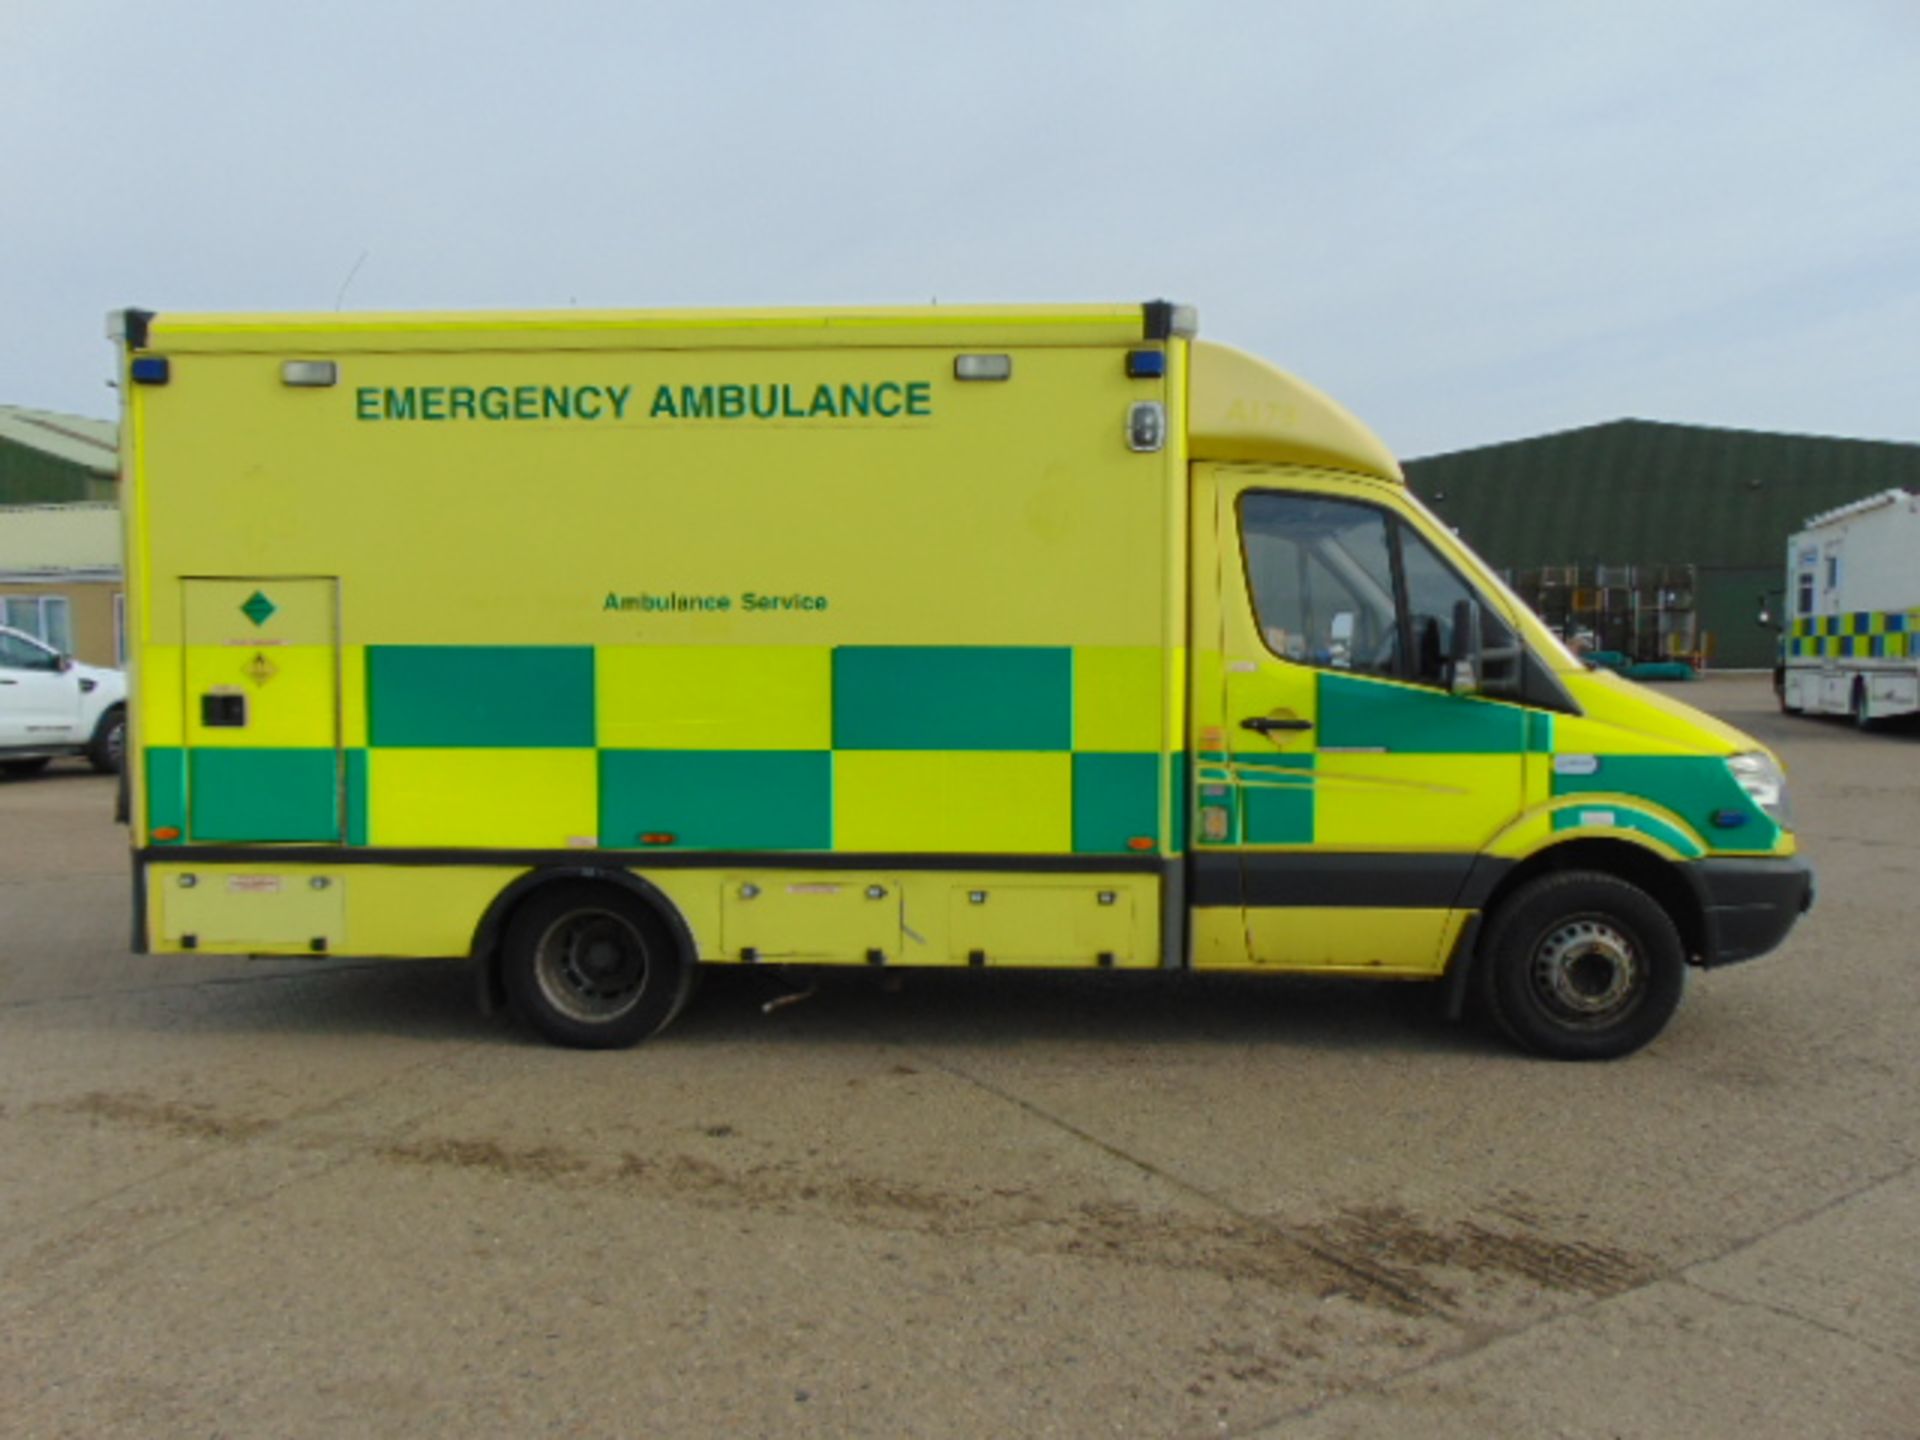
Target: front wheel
[593,967]
[1582,966]
[107,750]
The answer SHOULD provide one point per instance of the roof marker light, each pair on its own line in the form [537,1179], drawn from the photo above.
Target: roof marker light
[983,367]
[1146,364]
[316,373]
[150,370]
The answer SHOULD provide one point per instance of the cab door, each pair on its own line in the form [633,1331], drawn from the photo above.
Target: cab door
[1344,789]
[39,699]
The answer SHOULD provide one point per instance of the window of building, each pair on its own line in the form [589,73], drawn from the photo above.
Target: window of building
[45,617]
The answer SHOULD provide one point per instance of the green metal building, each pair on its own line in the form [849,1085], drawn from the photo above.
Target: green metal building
[1660,498]
[49,459]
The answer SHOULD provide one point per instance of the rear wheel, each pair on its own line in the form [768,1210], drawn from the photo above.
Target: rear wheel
[593,967]
[1582,966]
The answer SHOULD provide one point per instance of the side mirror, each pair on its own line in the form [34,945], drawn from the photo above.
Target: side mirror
[64,664]
[1463,654]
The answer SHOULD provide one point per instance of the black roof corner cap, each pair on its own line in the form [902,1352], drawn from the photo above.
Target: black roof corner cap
[1165,320]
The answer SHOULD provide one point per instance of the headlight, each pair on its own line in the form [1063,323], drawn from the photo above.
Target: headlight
[1760,775]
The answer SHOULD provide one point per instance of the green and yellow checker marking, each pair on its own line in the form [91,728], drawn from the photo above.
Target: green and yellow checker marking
[990,749]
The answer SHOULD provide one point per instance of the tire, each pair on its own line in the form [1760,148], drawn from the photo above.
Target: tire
[1581,966]
[19,769]
[108,748]
[593,967]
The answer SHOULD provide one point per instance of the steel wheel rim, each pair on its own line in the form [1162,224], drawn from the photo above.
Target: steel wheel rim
[591,966]
[1588,972]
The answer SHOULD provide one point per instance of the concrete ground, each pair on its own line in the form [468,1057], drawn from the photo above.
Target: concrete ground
[247,1199]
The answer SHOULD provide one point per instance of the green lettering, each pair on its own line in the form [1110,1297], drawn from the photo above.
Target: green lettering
[786,404]
[400,404]
[733,402]
[920,398]
[619,394]
[879,398]
[493,402]
[366,403]
[612,602]
[663,404]
[526,402]
[460,402]
[433,402]
[556,402]
[822,401]
[854,398]
[696,404]
[773,401]
[580,399]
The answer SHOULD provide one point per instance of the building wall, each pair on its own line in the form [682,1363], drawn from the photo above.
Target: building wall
[91,607]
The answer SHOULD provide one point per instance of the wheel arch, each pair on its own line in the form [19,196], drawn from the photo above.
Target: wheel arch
[488,935]
[1666,881]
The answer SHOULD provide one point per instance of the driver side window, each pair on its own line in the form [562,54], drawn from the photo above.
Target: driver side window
[1347,586]
[1321,572]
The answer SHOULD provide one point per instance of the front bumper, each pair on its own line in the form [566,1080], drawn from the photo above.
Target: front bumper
[1749,905]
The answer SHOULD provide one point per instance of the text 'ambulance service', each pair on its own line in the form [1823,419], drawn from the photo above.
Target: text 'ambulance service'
[598,647]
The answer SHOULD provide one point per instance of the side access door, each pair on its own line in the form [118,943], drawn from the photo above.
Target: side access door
[262,723]
[1344,790]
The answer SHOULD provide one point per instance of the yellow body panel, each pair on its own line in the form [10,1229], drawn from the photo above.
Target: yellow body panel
[1116,698]
[1416,802]
[1370,940]
[927,801]
[484,799]
[737,697]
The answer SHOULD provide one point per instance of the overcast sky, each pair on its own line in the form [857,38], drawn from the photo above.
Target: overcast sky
[1468,221]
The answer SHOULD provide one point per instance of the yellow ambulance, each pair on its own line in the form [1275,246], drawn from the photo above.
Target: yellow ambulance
[600,647]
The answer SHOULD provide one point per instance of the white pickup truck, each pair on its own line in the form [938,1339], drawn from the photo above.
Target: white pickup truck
[51,705]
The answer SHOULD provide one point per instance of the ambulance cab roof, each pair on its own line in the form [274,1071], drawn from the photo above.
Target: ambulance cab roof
[1241,408]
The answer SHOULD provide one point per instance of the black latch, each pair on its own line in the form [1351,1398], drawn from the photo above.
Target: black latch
[228,711]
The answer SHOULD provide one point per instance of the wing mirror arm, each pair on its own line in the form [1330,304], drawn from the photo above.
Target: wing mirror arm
[1471,660]
[1465,657]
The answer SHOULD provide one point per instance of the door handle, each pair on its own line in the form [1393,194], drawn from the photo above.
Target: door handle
[1262,724]
[9,682]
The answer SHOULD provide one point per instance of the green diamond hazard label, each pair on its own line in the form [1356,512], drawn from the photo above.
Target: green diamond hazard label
[258,608]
